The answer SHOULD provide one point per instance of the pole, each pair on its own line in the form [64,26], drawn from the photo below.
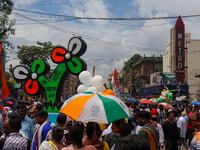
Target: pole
[93,72]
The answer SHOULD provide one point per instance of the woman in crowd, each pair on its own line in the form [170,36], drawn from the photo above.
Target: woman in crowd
[75,136]
[112,138]
[55,144]
[93,134]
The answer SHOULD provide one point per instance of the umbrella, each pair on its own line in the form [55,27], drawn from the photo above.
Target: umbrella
[166,105]
[9,102]
[195,103]
[131,99]
[95,107]
[146,102]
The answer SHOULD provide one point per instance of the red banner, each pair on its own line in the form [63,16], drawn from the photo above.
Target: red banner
[4,90]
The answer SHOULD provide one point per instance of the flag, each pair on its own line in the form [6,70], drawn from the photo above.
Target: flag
[114,84]
[4,87]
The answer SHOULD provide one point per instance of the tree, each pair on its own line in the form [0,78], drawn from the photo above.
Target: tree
[6,25]
[28,54]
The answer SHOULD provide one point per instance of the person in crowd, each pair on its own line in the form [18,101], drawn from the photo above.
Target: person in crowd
[175,107]
[162,115]
[3,116]
[171,133]
[195,121]
[155,123]
[41,133]
[61,121]
[93,134]
[76,136]
[27,124]
[196,109]
[132,120]
[56,142]
[132,142]
[181,124]
[6,132]
[131,108]
[185,107]
[190,129]
[124,130]
[154,110]
[112,138]
[15,141]
[184,114]
[148,131]
[33,111]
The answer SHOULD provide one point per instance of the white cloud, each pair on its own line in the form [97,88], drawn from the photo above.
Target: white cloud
[99,32]
[24,2]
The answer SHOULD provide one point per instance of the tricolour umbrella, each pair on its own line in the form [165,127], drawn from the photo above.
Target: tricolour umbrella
[95,107]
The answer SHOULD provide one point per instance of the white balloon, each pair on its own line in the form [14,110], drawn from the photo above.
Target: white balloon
[82,88]
[92,89]
[85,77]
[97,81]
[101,89]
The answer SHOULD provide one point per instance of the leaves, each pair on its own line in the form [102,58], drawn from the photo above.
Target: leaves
[6,25]
[28,54]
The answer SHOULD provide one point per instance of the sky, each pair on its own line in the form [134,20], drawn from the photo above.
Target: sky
[109,42]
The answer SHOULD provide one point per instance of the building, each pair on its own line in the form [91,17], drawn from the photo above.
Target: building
[192,61]
[136,75]
[70,86]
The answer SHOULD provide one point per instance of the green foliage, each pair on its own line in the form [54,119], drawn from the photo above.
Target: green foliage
[151,59]
[132,61]
[28,54]
[6,6]
[6,25]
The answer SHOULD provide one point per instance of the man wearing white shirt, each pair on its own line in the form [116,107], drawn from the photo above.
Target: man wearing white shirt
[181,124]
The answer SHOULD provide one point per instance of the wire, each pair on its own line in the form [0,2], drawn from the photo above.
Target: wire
[55,20]
[72,3]
[92,38]
[94,18]
[134,26]
[45,21]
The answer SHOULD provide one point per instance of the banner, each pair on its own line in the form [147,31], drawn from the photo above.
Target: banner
[4,87]
[114,84]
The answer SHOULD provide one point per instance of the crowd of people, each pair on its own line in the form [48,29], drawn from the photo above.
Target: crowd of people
[150,127]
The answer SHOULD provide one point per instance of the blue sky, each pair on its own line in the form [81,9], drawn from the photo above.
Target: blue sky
[110,43]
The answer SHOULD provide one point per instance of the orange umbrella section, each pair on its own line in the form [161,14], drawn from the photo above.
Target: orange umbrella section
[76,105]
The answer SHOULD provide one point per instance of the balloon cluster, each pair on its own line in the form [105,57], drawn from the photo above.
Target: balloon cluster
[166,96]
[89,83]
